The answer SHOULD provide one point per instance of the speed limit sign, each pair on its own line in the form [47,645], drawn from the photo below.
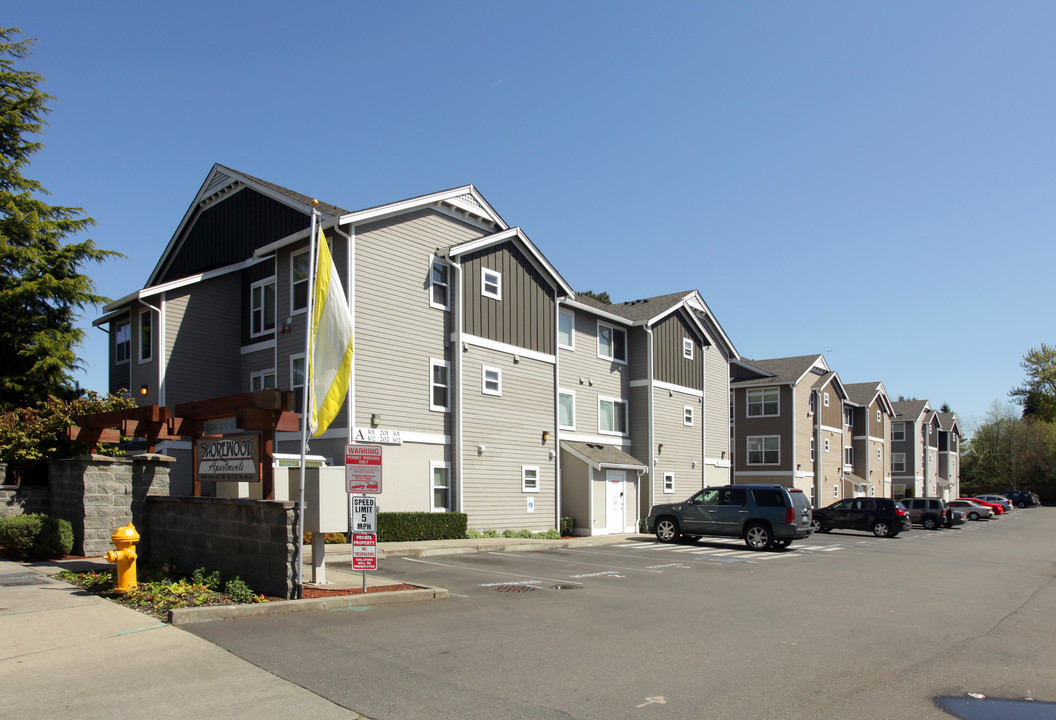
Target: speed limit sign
[364,514]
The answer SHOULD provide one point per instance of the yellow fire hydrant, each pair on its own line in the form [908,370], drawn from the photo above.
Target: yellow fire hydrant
[124,539]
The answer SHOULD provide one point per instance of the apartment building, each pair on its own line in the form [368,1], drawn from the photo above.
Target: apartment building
[915,450]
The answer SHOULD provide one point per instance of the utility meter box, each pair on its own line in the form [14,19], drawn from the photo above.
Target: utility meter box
[325,499]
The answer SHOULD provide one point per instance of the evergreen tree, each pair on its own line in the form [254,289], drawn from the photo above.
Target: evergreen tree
[1037,395]
[602,297]
[41,288]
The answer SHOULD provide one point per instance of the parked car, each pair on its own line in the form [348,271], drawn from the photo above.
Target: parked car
[996,507]
[932,513]
[764,516]
[1022,498]
[954,517]
[998,499]
[884,517]
[974,510]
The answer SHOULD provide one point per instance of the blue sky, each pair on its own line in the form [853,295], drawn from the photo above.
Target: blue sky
[872,181]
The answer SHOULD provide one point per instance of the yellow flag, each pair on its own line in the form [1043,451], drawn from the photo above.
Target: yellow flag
[330,365]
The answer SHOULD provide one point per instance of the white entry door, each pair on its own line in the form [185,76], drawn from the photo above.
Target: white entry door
[615,500]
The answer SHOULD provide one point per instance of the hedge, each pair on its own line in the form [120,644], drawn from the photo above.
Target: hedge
[414,526]
[37,536]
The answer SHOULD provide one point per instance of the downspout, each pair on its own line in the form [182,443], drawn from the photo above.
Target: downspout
[795,468]
[456,375]
[557,411]
[817,448]
[651,459]
[704,414]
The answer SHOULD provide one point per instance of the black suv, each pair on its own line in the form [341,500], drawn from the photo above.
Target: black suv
[764,515]
[1022,498]
[932,513]
[883,516]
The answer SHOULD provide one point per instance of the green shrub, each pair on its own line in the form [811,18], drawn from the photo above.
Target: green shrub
[55,538]
[237,591]
[567,524]
[414,526]
[472,534]
[490,533]
[211,581]
[19,533]
[550,534]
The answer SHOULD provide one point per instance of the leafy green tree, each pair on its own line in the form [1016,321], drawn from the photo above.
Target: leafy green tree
[1037,395]
[41,287]
[602,297]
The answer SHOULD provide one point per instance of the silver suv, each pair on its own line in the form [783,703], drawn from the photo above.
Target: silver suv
[764,516]
[932,513]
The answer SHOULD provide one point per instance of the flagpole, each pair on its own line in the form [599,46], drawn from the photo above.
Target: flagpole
[306,400]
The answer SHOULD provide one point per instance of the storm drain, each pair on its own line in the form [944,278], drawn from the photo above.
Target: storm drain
[568,587]
[513,588]
[24,579]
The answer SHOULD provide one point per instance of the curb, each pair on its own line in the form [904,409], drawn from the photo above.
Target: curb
[188,616]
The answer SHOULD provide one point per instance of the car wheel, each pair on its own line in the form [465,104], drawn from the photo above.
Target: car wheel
[929,523]
[758,537]
[816,524]
[667,530]
[1021,504]
[881,529]
[973,516]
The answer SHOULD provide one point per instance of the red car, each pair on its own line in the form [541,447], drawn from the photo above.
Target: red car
[998,510]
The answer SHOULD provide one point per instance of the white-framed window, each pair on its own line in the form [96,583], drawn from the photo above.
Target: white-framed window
[848,417]
[490,380]
[825,399]
[297,380]
[669,482]
[491,283]
[879,454]
[262,307]
[566,330]
[898,432]
[687,415]
[835,491]
[438,285]
[812,448]
[848,455]
[529,478]
[299,280]
[440,484]
[687,348]
[898,462]
[764,402]
[263,380]
[122,342]
[825,444]
[612,343]
[439,385]
[566,410]
[146,335]
[813,402]
[612,416]
[878,417]
[764,450]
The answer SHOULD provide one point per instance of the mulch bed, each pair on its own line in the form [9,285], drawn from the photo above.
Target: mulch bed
[313,592]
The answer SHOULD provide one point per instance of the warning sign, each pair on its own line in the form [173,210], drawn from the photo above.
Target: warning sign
[364,551]
[363,469]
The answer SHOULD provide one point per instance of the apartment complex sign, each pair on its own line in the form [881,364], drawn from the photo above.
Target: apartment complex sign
[229,458]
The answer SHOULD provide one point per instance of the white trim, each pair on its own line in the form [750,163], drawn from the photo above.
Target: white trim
[256,347]
[825,444]
[275,309]
[896,439]
[433,465]
[560,392]
[332,433]
[572,330]
[669,489]
[761,473]
[304,377]
[506,348]
[525,488]
[307,281]
[433,260]
[128,357]
[762,402]
[262,374]
[687,348]
[661,385]
[497,294]
[893,463]
[526,246]
[433,363]
[748,449]
[626,415]
[139,348]
[825,398]
[484,390]
[622,442]
[718,462]
[598,312]
[838,431]
[613,358]
[688,413]
[485,212]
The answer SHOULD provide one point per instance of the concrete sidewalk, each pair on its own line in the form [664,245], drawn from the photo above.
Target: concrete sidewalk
[67,653]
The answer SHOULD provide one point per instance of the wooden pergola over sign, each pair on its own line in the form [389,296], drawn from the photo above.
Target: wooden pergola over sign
[263,411]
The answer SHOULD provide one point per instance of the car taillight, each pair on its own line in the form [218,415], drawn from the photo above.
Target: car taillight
[899,512]
[790,515]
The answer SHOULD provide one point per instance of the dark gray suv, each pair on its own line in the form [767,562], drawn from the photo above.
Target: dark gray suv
[764,516]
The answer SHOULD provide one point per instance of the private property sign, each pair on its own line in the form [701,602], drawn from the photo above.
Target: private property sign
[363,469]
[229,458]
[364,551]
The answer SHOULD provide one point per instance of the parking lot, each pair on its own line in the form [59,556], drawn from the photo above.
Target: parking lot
[840,625]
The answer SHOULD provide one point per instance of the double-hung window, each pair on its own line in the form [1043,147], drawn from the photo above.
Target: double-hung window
[764,402]
[439,400]
[612,416]
[441,486]
[297,380]
[687,348]
[262,307]
[566,324]
[264,380]
[438,285]
[898,462]
[566,410]
[764,450]
[848,455]
[491,283]
[898,432]
[825,399]
[299,281]
[612,343]
[848,417]
[490,380]
[122,342]
[529,478]
[687,415]
[669,482]
[878,419]
[146,335]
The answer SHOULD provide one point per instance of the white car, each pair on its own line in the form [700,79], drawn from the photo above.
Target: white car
[997,500]
[972,510]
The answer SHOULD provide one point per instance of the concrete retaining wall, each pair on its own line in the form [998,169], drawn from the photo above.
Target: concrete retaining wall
[253,539]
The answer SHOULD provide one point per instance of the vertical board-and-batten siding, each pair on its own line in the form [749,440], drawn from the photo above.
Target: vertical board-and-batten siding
[397,332]
[524,317]
[510,426]
[669,364]
[203,353]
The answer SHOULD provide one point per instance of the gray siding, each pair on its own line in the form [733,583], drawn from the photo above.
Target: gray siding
[683,452]
[525,315]
[669,365]
[716,404]
[589,376]
[203,357]
[118,375]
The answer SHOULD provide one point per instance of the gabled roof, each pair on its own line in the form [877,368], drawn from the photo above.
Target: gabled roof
[600,456]
[948,422]
[831,378]
[863,394]
[781,371]
[517,236]
[910,410]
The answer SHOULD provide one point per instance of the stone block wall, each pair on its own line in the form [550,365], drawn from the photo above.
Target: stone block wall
[253,539]
[24,499]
